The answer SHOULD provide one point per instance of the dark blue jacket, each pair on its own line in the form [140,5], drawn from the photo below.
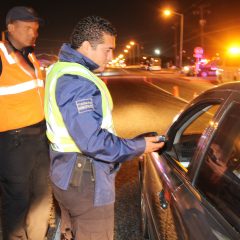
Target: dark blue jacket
[85,128]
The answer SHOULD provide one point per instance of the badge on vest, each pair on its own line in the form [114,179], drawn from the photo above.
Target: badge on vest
[85,105]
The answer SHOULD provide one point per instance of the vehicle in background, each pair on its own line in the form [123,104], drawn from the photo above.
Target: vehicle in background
[151,63]
[191,188]
[113,64]
[189,70]
[205,68]
[46,59]
[154,68]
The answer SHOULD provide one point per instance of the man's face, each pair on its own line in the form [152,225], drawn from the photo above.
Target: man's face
[23,34]
[103,52]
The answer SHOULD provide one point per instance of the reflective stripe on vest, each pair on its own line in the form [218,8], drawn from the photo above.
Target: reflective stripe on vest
[22,87]
[21,90]
[9,58]
[56,130]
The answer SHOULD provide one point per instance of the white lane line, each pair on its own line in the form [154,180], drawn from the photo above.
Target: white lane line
[125,71]
[159,88]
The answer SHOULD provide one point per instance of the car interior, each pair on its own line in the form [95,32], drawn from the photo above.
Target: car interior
[188,135]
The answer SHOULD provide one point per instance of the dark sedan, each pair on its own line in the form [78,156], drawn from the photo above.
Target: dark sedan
[191,190]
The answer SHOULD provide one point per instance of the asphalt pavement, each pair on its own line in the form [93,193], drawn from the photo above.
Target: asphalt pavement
[133,118]
[127,206]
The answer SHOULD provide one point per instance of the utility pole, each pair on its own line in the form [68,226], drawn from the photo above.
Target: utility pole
[138,53]
[168,12]
[202,11]
[175,38]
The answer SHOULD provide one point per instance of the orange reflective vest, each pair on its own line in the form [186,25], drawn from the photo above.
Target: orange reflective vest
[21,90]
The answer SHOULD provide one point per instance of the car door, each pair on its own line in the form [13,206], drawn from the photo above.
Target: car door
[155,197]
[204,206]
[193,132]
[167,172]
[218,175]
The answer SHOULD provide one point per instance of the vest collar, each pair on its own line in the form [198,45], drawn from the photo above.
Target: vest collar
[68,54]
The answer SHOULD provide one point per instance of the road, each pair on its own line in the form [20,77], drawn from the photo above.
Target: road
[143,101]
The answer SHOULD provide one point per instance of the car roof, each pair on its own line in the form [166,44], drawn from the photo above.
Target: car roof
[230,86]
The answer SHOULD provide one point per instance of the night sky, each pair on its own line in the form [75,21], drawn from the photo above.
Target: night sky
[138,20]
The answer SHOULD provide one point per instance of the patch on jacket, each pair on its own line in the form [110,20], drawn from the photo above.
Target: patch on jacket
[85,105]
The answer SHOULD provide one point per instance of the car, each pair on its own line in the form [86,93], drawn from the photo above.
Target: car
[151,64]
[46,59]
[151,67]
[191,188]
[207,69]
[144,66]
[189,70]
[203,70]
[154,68]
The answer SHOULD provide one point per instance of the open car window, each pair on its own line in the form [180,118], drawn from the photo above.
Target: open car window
[189,133]
[219,175]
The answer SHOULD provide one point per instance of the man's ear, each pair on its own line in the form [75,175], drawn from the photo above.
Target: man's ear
[10,27]
[86,46]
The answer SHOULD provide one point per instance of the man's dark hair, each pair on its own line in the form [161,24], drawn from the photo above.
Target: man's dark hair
[91,29]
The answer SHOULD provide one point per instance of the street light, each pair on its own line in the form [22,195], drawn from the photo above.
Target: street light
[168,12]
[157,51]
[131,52]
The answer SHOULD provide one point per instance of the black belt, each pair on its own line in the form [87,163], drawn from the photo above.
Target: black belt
[30,130]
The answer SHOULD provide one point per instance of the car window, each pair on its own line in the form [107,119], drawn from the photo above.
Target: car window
[189,133]
[219,175]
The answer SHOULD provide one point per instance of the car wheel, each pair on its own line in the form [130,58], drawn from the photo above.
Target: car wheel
[144,221]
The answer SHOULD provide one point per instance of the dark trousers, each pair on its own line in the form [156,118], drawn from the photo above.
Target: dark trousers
[79,216]
[25,189]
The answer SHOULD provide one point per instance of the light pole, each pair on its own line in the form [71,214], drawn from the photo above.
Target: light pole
[133,55]
[174,27]
[168,12]
[132,43]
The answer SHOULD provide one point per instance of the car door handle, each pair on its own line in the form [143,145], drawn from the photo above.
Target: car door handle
[163,201]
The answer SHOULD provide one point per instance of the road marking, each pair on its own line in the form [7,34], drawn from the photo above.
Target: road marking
[125,71]
[159,88]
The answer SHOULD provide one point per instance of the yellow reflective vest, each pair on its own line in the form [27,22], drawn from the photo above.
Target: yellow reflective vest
[57,132]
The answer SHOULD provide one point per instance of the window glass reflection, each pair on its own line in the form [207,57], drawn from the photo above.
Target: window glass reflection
[219,176]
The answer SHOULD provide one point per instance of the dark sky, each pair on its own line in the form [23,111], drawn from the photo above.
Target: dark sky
[138,20]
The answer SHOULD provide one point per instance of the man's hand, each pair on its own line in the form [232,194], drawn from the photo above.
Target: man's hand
[152,145]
